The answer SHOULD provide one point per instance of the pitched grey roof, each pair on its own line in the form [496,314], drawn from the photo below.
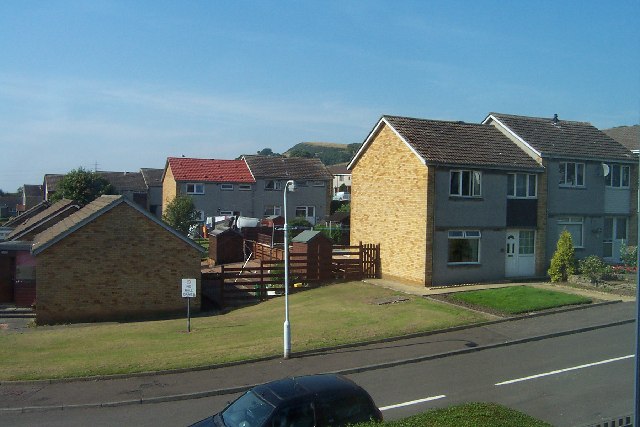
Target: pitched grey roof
[459,143]
[629,136]
[564,138]
[121,181]
[14,222]
[287,168]
[87,214]
[42,217]
[339,169]
[152,177]
[32,190]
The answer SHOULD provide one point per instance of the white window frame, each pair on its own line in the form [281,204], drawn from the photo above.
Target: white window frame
[564,176]
[196,188]
[528,177]
[226,213]
[200,217]
[473,176]
[226,187]
[302,183]
[608,180]
[572,221]
[274,209]
[275,185]
[464,235]
[306,210]
[318,183]
[244,187]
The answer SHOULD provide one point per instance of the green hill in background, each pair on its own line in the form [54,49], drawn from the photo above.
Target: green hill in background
[330,153]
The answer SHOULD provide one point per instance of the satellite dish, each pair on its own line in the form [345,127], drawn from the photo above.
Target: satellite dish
[605,169]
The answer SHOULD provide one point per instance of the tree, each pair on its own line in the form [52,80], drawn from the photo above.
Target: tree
[82,186]
[268,152]
[180,214]
[563,261]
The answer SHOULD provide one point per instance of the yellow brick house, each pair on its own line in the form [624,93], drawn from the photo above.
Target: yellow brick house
[443,198]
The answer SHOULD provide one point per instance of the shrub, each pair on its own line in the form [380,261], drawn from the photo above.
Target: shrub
[563,261]
[595,269]
[629,255]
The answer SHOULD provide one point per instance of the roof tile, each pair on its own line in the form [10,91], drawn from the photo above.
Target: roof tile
[209,170]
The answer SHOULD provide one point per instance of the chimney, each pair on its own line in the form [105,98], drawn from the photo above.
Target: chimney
[555,119]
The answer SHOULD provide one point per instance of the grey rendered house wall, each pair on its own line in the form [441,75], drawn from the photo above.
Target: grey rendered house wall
[592,202]
[487,214]
[310,195]
[214,200]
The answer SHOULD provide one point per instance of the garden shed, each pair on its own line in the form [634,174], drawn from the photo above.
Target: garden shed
[226,246]
[318,249]
[112,260]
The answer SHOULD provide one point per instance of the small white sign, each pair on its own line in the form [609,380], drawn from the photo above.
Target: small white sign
[188,288]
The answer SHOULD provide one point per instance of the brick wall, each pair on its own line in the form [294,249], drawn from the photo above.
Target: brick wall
[122,265]
[541,228]
[169,189]
[389,206]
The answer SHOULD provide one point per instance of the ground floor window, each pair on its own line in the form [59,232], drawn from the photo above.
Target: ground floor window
[464,247]
[271,210]
[306,211]
[200,216]
[574,226]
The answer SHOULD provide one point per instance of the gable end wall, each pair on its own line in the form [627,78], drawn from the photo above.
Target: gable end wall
[389,206]
[120,266]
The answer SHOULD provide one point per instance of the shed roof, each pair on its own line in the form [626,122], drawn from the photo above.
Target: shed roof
[299,168]
[89,213]
[209,170]
[306,236]
[453,143]
[552,137]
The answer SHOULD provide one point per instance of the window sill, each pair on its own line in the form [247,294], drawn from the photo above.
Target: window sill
[463,264]
[466,198]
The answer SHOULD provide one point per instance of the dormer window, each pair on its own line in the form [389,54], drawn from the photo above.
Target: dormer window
[571,174]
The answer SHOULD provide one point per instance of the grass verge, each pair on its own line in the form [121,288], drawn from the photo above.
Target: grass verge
[323,317]
[518,299]
[466,415]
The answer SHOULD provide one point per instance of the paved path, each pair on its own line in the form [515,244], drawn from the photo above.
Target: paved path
[28,396]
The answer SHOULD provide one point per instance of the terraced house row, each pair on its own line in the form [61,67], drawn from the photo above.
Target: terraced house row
[453,202]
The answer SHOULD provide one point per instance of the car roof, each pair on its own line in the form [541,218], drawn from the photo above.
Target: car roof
[291,388]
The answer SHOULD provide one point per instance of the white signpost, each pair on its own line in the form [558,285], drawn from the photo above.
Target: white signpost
[188,292]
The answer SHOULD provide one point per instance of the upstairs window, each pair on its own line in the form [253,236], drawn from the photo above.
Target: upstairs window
[465,183]
[272,185]
[226,187]
[618,176]
[301,184]
[521,186]
[318,183]
[244,187]
[195,188]
[571,174]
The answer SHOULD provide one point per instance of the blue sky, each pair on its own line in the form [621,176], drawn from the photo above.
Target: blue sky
[125,84]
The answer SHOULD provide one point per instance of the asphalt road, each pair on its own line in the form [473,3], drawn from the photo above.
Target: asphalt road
[572,380]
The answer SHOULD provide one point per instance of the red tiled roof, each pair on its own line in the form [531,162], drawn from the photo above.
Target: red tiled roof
[209,170]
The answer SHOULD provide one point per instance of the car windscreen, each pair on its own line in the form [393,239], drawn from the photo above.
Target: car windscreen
[249,410]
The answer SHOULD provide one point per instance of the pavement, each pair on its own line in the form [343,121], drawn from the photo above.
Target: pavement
[227,379]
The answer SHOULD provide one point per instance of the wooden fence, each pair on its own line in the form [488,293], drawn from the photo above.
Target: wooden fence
[263,278]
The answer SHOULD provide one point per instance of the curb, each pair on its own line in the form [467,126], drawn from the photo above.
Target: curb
[347,371]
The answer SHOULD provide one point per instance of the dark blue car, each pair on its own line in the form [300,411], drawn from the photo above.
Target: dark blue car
[306,401]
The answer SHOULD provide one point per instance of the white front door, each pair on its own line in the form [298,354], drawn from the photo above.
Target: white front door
[614,237]
[520,253]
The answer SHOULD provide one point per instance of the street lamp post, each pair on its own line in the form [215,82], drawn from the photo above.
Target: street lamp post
[287,326]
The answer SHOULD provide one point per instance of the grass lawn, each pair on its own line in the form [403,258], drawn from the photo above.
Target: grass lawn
[327,316]
[518,299]
[467,415]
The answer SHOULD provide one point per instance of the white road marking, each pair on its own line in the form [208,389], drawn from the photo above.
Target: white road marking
[559,371]
[413,402]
